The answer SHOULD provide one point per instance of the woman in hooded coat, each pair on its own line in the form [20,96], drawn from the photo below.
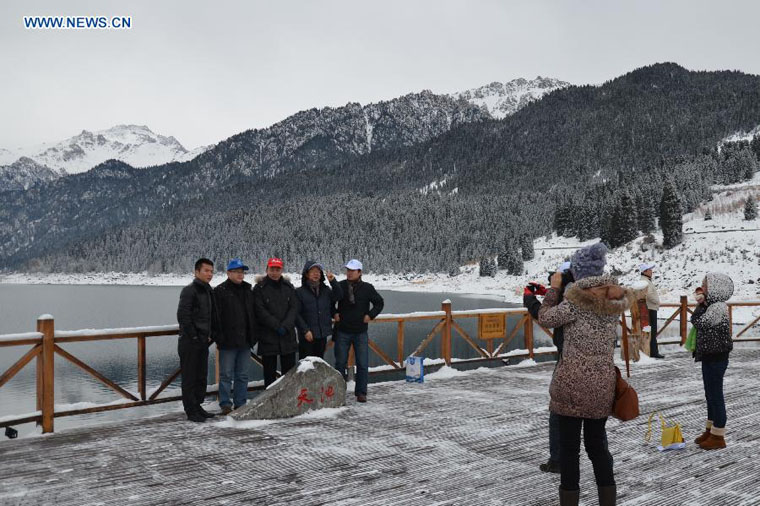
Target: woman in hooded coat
[582,390]
[314,320]
[714,343]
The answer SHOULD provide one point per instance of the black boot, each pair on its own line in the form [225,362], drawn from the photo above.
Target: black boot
[550,467]
[568,497]
[607,495]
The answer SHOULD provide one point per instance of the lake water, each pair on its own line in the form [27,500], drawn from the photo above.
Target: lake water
[85,306]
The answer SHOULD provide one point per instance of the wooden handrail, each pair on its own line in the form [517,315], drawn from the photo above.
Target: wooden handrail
[46,340]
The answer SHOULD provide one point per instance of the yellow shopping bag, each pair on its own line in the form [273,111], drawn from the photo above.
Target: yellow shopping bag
[671,434]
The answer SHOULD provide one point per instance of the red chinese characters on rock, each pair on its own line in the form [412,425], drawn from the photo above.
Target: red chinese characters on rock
[304,397]
[324,393]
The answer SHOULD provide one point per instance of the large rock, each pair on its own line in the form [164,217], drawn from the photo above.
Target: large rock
[313,384]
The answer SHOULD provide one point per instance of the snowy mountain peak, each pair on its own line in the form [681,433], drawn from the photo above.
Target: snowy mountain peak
[23,173]
[504,99]
[136,145]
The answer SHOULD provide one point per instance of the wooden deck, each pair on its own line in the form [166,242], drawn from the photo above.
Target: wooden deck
[475,439]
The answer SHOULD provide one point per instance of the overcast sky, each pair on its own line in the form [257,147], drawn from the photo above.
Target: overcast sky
[203,70]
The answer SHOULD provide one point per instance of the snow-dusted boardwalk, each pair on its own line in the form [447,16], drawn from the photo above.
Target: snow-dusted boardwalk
[471,439]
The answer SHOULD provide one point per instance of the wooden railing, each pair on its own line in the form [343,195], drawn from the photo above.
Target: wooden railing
[46,340]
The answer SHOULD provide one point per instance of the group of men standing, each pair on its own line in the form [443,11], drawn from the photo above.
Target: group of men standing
[276,316]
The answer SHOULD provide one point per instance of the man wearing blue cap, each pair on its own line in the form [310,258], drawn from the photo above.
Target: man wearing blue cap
[354,313]
[238,335]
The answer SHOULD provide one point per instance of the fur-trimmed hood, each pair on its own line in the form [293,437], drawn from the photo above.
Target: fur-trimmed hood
[617,299]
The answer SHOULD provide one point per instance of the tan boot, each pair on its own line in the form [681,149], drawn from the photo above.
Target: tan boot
[569,497]
[705,434]
[715,440]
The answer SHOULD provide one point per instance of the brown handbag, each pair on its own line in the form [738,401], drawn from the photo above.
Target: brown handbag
[626,405]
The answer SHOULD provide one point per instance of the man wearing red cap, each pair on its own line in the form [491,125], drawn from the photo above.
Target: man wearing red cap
[276,306]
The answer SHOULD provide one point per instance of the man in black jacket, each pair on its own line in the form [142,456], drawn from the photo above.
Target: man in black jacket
[237,336]
[276,307]
[531,302]
[352,318]
[198,323]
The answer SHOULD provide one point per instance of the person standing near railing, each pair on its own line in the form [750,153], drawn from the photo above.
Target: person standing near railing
[582,390]
[198,324]
[714,344]
[237,336]
[653,305]
[532,304]
[276,306]
[352,319]
[317,301]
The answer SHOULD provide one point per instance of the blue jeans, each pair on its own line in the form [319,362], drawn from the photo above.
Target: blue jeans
[343,342]
[233,364]
[712,376]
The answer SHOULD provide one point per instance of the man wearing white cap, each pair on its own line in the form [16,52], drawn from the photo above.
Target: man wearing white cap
[354,313]
[653,304]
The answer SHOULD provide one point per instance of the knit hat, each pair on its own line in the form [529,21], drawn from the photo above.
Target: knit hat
[589,261]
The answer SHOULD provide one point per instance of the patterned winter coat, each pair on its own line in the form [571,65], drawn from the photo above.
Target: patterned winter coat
[583,384]
[711,320]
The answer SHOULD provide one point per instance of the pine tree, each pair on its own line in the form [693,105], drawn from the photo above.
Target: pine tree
[487,267]
[750,209]
[646,214]
[515,263]
[526,247]
[671,217]
[624,222]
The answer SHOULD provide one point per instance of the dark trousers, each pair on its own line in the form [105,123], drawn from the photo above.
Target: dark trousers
[595,441]
[316,348]
[193,359]
[712,376]
[554,437]
[287,361]
[653,350]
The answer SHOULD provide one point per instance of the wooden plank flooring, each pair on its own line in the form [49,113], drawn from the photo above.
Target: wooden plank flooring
[475,439]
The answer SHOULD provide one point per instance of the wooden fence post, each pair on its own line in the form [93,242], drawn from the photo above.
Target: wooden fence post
[46,326]
[400,343]
[446,337]
[528,333]
[216,371]
[684,318]
[141,380]
[625,345]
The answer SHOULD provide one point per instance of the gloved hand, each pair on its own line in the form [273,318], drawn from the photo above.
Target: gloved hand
[281,331]
[534,288]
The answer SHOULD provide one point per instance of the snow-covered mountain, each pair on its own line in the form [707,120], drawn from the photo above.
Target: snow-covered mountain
[23,173]
[133,144]
[504,99]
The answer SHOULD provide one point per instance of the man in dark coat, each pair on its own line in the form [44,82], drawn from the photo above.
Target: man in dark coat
[237,336]
[352,318]
[317,302]
[198,325]
[531,302]
[276,307]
